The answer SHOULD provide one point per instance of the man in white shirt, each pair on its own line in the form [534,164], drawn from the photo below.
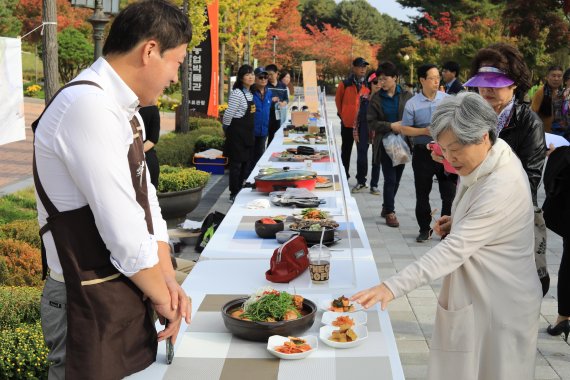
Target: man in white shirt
[105,241]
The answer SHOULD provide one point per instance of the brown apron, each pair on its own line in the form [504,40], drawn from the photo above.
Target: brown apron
[110,329]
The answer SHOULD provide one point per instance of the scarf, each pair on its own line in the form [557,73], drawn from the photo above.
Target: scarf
[505,116]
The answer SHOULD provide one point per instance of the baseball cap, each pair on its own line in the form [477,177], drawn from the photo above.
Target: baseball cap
[360,62]
[259,70]
[488,76]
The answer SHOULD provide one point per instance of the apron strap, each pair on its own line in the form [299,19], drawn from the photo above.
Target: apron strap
[48,204]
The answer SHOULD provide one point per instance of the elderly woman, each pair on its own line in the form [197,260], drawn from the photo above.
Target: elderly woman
[487,317]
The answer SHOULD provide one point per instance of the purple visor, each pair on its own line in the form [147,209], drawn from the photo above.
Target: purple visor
[489,77]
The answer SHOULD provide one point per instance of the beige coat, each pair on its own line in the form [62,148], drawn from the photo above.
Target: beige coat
[486,322]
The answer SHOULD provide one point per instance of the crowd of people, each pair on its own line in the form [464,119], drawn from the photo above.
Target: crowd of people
[486,148]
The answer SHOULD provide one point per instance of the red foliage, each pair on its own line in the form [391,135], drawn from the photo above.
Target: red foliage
[29,12]
[442,30]
[20,263]
[330,47]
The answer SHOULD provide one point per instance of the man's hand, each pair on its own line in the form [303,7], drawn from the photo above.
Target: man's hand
[369,297]
[396,127]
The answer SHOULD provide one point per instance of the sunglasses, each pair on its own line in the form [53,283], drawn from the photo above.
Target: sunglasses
[262,77]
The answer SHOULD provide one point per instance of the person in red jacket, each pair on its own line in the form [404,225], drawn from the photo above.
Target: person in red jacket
[347,101]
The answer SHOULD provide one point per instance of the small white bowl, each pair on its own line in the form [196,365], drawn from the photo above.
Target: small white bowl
[359,317]
[326,331]
[278,340]
[326,305]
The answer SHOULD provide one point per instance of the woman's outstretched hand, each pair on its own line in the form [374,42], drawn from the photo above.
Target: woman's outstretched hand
[369,297]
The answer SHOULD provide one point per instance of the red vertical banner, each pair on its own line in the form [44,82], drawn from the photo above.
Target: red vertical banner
[213,15]
[203,67]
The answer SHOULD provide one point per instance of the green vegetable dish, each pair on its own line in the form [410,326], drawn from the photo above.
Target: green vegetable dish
[270,305]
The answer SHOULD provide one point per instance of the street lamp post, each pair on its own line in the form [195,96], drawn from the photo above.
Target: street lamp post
[98,20]
[274,42]
[406,58]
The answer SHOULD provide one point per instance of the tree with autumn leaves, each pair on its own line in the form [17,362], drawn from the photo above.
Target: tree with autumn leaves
[332,48]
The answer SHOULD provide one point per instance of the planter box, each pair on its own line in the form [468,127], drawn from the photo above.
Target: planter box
[213,166]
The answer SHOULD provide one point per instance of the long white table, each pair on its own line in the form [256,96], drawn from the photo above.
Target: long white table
[234,264]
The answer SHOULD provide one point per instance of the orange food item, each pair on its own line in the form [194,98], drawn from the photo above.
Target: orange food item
[268,221]
[343,321]
[322,179]
[341,304]
[237,313]
[294,346]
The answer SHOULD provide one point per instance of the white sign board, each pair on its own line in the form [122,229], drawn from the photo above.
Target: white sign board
[12,125]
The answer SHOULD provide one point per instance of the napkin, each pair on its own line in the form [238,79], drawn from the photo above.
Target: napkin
[258,204]
[190,225]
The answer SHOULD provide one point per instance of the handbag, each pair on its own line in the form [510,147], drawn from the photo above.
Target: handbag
[209,227]
[288,260]
[540,250]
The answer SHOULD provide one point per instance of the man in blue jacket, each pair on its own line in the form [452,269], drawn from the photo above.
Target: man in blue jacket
[262,98]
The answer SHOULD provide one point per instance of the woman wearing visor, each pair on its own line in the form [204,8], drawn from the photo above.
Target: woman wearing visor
[502,79]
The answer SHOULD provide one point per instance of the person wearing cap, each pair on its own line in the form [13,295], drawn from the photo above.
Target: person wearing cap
[347,101]
[279,100]
[262,97]
[503,78]
[450,73]
[547,102]
[417,118]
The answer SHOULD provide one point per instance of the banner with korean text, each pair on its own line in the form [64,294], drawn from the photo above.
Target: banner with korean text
[12,126]
[203,67]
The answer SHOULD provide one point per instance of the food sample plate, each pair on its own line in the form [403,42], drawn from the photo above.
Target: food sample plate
[278,340]
[359,317]
[326,331]
[327,306]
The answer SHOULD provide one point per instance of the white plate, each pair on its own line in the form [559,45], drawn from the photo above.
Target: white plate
[326,331]
[278,340]
[359,317]
[326,304]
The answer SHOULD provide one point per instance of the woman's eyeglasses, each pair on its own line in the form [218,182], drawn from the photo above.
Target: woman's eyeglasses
[262,77]
[375,82]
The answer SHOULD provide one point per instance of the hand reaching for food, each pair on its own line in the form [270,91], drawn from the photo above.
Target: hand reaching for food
[369,297]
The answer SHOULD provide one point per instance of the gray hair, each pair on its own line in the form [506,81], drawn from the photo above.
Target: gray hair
[467,115]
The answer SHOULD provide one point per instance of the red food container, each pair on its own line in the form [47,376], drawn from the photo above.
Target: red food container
[281,180]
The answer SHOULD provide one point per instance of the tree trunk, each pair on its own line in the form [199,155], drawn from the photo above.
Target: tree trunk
[181,120]
[49,39]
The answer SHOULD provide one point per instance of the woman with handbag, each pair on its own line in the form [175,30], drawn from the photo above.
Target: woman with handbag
[386,108]
[489,305]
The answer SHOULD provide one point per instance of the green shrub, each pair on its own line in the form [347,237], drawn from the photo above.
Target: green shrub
[195,123]
[23,353]
[178,178]
[208,142]
[22,230]
[19,304]
[17,206]
[20,264]
[176,149]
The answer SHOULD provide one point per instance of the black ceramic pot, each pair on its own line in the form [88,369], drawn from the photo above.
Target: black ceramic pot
[261,331]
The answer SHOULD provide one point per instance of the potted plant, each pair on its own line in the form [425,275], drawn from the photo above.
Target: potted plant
[180,190]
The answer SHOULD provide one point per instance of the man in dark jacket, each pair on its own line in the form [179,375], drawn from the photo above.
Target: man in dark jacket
[450,73]
[347,101]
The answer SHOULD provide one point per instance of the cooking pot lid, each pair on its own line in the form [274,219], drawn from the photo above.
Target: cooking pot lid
[288,175]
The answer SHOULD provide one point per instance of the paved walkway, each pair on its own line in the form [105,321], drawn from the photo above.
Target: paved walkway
[412,316]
